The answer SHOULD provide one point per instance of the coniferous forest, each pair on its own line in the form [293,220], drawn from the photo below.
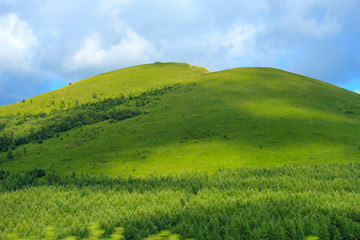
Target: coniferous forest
[288,202]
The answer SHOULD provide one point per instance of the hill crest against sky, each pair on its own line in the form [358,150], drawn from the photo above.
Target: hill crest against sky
[44,45]
[180,117]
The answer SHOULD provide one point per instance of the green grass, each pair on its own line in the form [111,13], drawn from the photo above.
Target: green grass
[239,117]
[252,118]
[110,84]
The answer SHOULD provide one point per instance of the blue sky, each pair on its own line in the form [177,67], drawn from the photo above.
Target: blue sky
[45,44]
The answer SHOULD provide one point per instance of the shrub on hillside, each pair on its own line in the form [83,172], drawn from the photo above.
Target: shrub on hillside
[3,174]
[10,155]
[38,173]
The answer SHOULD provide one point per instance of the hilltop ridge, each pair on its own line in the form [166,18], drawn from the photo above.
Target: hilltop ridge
[109,84]
[174,117]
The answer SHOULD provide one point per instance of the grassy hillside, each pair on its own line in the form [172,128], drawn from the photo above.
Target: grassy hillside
[232,118]
[123,81]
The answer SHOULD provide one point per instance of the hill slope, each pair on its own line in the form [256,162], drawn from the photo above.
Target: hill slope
[231,118]
[123,81]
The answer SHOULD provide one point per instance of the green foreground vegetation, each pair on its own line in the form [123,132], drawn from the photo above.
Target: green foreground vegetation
[151,140]
[95,232]
[288,202]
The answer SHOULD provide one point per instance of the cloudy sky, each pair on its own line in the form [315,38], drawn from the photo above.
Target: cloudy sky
[45,44]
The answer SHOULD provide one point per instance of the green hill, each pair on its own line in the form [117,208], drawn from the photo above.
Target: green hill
[187,119]
[123,81]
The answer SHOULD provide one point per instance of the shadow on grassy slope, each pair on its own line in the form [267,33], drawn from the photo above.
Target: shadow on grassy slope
[250,116]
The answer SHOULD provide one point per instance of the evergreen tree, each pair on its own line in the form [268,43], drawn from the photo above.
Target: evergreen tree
[337,235]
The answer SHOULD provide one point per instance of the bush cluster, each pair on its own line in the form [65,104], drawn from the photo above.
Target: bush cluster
[38,127]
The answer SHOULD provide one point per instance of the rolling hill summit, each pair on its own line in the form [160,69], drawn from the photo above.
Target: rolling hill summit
[175,117]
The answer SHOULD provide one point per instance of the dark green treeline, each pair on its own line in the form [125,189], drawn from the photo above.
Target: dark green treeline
[18,129]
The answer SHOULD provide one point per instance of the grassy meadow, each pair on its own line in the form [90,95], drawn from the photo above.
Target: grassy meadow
[245,153]
[111,84]
[239,117]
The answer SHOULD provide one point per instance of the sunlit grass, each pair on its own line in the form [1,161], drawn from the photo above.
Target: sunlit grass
[241,117]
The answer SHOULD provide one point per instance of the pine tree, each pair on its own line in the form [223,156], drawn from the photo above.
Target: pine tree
[337,235]
[324,232]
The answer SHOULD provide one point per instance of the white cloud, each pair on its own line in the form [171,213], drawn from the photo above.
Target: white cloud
[18,43]
[357,91]
[296,17]
[131,49]
[237,41]
[240,39]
